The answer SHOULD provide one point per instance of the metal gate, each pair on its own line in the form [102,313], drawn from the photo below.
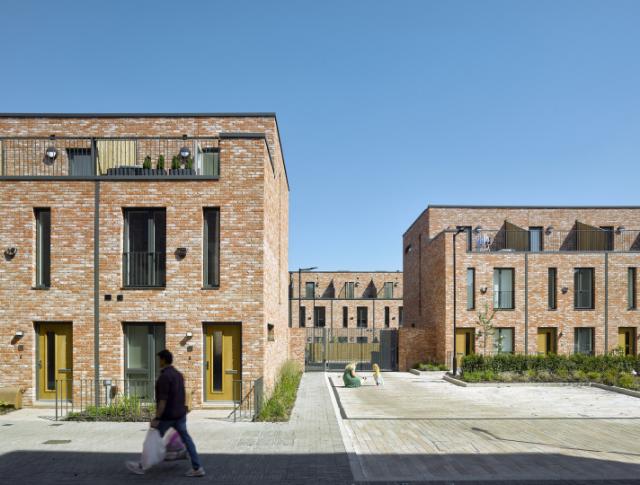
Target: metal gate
[334,348]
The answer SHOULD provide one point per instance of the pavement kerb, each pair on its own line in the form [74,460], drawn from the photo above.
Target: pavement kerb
[347,438]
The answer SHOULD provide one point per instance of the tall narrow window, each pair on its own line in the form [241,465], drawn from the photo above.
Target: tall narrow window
[535,239]
[303,316]
[211,249]
[362,314]
[388,290]
[400,316]
[349,289]
[143,341]
[319,314]
[309,289]
[144,258]
[583,289]
[471,288]
[211,161]
[583,342]
[503,340]
[552,288]
[43,248]
[503,293]
[387,316]
[631,288]
[345,316]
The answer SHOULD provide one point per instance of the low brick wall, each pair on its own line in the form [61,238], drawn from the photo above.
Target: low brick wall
[297,341]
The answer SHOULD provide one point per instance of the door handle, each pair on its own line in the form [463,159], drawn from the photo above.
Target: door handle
[231,371]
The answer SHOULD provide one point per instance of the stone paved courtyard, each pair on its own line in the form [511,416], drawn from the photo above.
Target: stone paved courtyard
[423,428]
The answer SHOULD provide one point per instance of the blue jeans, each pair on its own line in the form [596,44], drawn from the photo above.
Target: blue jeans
[180,425]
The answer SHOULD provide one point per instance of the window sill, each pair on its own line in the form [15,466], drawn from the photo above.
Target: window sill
[41,288]
[584,309]
[210,288]
[138,288]
[552,309]
[504,309]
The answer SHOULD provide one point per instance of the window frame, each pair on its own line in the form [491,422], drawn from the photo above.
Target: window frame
[365,310]
[497,298]
[307,285]
[497,331]
[400,316]
[207,281]
[349,290]
[471,289]
[42,217]
[318,311]
[592,339]
[540,231]
[387,295]
[632,288]
[302,316]
[158,242]
[345,317]
[387,317]
[577,293]
[552,288]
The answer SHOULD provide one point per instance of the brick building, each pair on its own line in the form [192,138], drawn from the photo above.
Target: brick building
[560,279]
[125,234]
[345,299]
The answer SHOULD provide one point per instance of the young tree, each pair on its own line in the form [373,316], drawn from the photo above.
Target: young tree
[485,319]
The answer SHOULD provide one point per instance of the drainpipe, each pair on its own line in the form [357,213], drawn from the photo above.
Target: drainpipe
[606,302]
[454,365]
[96,291]
[526,303]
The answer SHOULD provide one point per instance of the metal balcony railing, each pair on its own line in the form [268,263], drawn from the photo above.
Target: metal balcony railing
[90,156]
[144,269]
[554,241]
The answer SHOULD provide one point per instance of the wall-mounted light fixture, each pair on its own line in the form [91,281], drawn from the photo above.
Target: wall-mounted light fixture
[188,335]
[548,230]
[19,334]
[564,290]
[185,152]
[477,229]
[181,253]
[50,154]
[483,289]
[620,229]
[10,252]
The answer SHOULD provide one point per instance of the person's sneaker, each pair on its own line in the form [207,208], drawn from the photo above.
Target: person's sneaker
[195,473]
[134,467]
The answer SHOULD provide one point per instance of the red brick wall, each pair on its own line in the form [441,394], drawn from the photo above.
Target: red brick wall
[297,342]
[412,347]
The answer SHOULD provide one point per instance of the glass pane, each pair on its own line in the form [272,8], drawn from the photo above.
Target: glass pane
[503,340]
[470,289]
[310,290]
[43,247]
[211,239]
[216,375]
[535,239]
[51,360]
[138,347]
[211,162]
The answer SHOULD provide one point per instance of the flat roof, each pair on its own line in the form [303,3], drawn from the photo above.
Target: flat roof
[138,115]
[347,271]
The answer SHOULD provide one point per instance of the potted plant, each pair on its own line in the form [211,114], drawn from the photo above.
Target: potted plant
[188,166]
[160,165]
[175,165]
[146,166]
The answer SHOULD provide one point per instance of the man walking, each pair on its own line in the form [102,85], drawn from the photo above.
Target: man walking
[171,412]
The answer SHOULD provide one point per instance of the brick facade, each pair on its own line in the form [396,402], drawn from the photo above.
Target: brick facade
[428,270]
[252,194]
[334,303]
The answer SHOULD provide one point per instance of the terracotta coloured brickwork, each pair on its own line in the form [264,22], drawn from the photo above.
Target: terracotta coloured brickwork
[429,278]
[334,305]
[252,195]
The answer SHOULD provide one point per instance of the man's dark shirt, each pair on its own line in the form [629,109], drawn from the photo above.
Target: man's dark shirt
[170,388]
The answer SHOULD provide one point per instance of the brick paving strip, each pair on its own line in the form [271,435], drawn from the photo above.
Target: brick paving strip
[307,449]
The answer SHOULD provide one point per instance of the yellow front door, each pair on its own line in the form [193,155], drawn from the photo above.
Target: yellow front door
[547,342]
[627,340]
[55,360]
[465,343]
[223,362]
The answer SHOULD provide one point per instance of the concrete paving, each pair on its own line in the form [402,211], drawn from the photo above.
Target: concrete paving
[425,429]
[307,449]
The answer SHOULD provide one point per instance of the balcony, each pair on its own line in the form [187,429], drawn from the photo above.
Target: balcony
[581,238]
[109,157]
[144,269]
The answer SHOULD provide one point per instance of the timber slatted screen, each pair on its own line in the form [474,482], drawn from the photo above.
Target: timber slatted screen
[591,238]
[516,238]
[334,348]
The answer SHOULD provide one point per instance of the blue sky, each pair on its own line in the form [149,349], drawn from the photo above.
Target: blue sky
[383,107]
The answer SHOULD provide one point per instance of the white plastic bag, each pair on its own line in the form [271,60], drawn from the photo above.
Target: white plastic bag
[153,449]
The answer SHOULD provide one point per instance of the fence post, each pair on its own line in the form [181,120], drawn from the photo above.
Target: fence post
[324,348]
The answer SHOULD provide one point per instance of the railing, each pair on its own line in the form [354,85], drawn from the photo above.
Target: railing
[85,156]
[118,400]
[143,269]
[555,241]
[248,396]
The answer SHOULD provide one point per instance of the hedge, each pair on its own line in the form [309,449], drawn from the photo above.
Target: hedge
[550,363]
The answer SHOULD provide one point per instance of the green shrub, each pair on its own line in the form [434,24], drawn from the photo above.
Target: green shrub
[594,376]
[147,162]
[627,381]
[472,376]
[160,164]
[175,162]
[124,408]
[430,366]
[278,407]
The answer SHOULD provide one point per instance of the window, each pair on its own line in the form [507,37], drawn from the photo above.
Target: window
[303,316]
[400,316]
[43,248]
[535,239]
[388,290]
[583,343]
[552,288]
[319,316]
[631,288]
[310,290]
[211,161]
[363,315]
[387,316]
[143,342]
[468,230]
[349,289]
[503,288]
[608,237]
[471,288]
[345,316]
[211,247]
[271,332]
[583,288]
[144,247]
[503,340]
